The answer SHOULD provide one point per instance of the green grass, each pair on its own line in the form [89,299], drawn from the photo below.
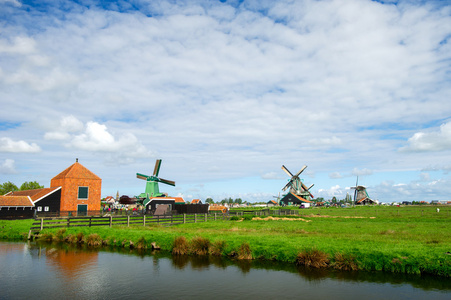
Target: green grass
[405,239]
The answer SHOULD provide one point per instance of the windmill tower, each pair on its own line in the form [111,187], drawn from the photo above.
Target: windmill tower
[152,181]
[360,194]
[297,187]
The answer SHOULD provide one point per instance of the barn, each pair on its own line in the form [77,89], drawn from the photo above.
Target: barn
[292,199]
[74,191]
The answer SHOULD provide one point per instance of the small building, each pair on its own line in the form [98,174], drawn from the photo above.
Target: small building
[75,191]
[196,201]
[272,203]
[292,199]
[151,204]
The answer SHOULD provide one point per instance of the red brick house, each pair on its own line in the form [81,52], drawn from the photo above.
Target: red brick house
[80,189]
[75,191]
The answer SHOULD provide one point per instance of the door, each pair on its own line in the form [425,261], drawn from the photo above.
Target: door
[82,210]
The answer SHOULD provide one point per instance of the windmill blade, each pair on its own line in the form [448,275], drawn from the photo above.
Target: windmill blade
[170,182]
[286,170]
[141,176]
[156,170]
[306,189]
[302,170]
[310,186]
[287,185]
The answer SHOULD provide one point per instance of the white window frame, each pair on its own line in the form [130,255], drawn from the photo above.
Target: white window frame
[39,208]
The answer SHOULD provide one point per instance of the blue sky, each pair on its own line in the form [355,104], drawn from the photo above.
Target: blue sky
[226,92]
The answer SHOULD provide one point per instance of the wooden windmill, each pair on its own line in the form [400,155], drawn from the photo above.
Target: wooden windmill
[297,187]
[152,181]
[360,194]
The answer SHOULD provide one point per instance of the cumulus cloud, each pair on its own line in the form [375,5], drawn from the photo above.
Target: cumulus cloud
[8,167]
[95,137]
[9,145]
[430,141]
[333,191]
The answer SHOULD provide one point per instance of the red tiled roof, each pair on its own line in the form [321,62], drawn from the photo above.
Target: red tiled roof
[302,199]
[195,201]
[15,201]
[78,171]
[36,194]
[178,199]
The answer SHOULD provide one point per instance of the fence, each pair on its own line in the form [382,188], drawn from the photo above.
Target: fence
[144,220]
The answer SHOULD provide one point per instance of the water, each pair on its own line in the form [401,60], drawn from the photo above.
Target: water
[29,270]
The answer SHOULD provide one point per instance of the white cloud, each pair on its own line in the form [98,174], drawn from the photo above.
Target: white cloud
[9,145]
[430,141]
[361,172]
[335,175]
[231,91]
[8,167]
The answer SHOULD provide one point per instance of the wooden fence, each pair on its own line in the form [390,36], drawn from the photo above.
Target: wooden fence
[144,220]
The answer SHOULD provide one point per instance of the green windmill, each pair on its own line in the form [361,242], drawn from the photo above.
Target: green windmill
[152,189]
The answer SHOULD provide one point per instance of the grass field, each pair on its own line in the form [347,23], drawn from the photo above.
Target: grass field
[412,239]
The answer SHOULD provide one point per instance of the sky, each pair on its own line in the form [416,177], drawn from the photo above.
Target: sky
[226,92]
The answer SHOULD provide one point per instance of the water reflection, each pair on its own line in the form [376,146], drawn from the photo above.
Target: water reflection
[116,273]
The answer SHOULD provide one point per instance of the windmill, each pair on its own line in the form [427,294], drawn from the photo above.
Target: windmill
[297,187]
[360,194]
[152,182]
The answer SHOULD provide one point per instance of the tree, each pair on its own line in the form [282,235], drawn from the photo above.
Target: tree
[209,201]
[32,185]
[7,187]
[238,201]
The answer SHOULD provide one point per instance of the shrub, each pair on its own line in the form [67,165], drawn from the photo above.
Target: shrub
[94,240]
[80,238]
[235,218]
[59,236]
[217,248]
[248,217]
[180,246]
[141,244]
[312,258]
[345,262]
[199,246]
[244,252]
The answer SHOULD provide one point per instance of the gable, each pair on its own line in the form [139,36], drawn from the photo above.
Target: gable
[77,171]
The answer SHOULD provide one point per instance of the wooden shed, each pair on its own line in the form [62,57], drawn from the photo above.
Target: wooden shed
[292,199]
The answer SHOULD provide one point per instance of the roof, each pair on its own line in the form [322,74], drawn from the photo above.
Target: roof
[179,200]
[78,171]
[195,201]
[147,201]
[36,194]
[272,201]
[299,198]
[16,201]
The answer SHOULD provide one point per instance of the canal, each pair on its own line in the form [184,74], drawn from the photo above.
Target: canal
[39,271]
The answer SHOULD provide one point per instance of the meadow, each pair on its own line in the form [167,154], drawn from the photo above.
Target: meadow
[411,239]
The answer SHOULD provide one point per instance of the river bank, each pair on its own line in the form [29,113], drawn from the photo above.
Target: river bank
[356,241]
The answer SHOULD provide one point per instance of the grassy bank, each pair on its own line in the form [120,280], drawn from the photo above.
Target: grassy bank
[414,240]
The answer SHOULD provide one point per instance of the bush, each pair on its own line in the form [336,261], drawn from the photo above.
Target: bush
[180,246]
[244,252]
[94,240]
[345,262]
[199,246]
[312,258]
[217,248]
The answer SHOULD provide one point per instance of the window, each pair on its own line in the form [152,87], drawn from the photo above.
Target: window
[82,192]
[46,208]
[39,208]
